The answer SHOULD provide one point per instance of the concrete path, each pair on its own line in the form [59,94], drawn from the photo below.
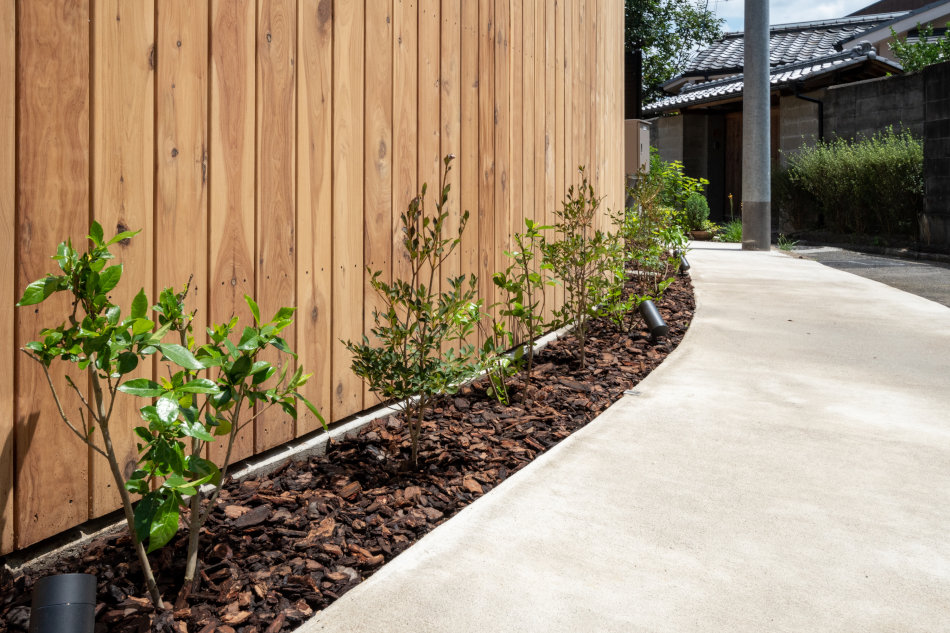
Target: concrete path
[786,469]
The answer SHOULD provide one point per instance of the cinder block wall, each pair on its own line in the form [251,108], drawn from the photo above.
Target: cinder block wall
[798,123]
[666,134]
[865,107]
[935,219]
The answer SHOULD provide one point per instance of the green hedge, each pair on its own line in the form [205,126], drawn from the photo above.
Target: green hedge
[873,185]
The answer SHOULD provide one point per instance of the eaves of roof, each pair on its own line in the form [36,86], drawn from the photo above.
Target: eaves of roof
[908,19]
[788,75]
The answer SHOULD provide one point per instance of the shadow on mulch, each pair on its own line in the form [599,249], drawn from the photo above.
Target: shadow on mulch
[280,547]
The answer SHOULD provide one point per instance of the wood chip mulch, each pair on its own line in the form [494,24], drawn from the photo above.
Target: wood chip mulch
[283,546]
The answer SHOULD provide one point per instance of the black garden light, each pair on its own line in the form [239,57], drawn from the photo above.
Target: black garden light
[684,265]
[654,321]
[65,603]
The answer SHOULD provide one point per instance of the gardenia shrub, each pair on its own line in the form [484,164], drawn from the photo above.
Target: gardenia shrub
[871,185]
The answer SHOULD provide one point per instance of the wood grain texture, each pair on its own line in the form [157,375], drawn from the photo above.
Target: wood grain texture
[557,114]
[502,208]
[451,113]
[7,262]
[429,161]
[486,152]
[544,136]
[314,204]
[276,200]
[516,127]
[348,97]
[123,117]
[377,160]
[526,137]
[231,238]
[468,168]
[405,123]
[53,204]
[181,146]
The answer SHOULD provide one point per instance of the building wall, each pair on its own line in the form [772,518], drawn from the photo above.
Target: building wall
[798,123]
[935,219]
[666,135]
[865,107]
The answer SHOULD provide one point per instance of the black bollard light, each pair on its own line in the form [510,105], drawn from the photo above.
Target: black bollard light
[65,603]
[654,321]
[684,265]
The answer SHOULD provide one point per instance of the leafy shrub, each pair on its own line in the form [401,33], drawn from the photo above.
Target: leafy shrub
[697,212]
[926,51]
[190,407]
[578,257]
[864,186]
[731,231]
[675,186]
[418,322]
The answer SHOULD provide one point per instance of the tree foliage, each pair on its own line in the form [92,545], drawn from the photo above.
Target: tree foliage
[926,51]
[667,31]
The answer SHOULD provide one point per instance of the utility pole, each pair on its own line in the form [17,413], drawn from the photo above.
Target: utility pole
[756,170]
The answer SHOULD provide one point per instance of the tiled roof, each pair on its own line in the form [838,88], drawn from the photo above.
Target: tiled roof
[780,76]
[788,43]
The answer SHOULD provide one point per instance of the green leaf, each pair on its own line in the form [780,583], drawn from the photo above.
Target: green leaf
[124,235]
[196,430]
[95,233]
[200,385]
[144,513]
[39,290]
[205,469]
[313,410]
[167,410]
[249,340]
[110,278]
[164,524]
[127,362]
[254,309]
[141,326]
[180,356]
[223,427]
[142,387]
[239,369]
[140,305]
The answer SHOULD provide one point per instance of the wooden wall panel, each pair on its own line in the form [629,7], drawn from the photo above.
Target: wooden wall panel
[123,117]
[181,147]
[451,113]
[486,151]
[276,189]
[429,158]
[468,161]
[557,161]
[231,237]
[348,32]
[7,263]
[53,204]
[516,126]
[405,122]
[315,205]
[502,118]
[377,161]
[530,98]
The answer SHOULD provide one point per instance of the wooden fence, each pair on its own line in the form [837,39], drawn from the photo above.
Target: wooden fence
[267,147]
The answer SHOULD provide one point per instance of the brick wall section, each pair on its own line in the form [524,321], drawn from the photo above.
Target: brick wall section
[935,219]
[865,107]
[666,134]
[798,123]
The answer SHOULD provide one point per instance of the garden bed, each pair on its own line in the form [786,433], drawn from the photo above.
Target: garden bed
[280,547]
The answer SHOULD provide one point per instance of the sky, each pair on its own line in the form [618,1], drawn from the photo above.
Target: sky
[784,11]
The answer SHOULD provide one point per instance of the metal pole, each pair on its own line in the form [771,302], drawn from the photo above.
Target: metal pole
[756,171]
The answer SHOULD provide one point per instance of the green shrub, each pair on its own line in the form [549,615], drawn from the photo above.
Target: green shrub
[924,52]
[865,186]
[675,186]
[731,231]
[697,212]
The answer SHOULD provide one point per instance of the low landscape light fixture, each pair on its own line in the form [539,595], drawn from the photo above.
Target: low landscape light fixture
[65,603]
[654,321]
[684,265]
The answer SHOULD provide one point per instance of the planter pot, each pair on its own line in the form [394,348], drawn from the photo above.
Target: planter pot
[702,236]
[64,604]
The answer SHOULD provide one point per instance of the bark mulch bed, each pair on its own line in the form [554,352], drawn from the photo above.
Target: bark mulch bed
[283,546]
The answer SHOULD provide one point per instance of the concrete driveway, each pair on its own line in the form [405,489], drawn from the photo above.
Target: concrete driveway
[786,469]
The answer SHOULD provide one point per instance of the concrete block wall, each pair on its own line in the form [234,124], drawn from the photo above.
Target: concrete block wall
[935,219]
[798,123]
[865,107]
[666,134]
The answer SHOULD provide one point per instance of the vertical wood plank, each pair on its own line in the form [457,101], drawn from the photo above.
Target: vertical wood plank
[545,136]
[469,150]
[181,146]
[502,211]
[528,131]
[450,107]
[52,206]
[377,167]
[315,204]
[276,226]
[123,113]
[556,121]
[7,262]
[405,122]
[348,93]
[429,161]
[231,201]
[486,151]
[516,127]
